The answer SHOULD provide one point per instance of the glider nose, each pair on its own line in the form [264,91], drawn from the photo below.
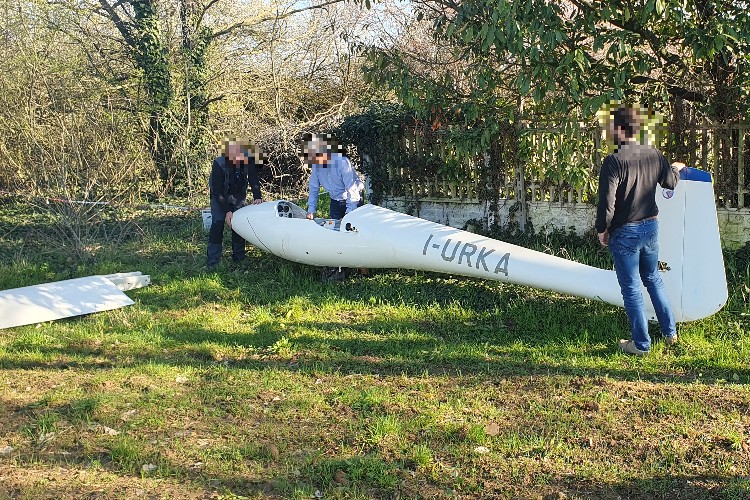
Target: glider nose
[242,223]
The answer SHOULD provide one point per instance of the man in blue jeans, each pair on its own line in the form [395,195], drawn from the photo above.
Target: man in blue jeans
[626,221]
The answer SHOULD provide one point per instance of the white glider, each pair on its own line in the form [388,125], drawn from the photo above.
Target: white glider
[375,237]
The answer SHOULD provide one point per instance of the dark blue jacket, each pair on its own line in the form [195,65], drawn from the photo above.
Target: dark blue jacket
[228,184]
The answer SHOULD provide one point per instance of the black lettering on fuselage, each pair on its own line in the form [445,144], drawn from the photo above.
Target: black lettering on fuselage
[445,247]
[467,250]
[426,243]
[483,253]
[502,265]
[468,254]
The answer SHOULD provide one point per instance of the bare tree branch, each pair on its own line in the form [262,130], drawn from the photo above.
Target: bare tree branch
[121,26]
[277,17]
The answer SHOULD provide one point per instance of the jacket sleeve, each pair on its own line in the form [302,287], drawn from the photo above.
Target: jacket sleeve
[608,182]
[217,185]
[669,176]
[253,180]
[352,184]
[314,190]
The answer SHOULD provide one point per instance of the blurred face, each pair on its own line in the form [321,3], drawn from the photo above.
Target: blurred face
[235,154]
[615,134]
[318,152]
[611,130]
[322,158]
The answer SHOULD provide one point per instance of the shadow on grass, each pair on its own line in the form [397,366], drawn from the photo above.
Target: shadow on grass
[319,476]
[683,487]
[370,347]
[503,330]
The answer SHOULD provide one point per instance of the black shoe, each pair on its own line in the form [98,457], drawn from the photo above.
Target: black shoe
[334,274]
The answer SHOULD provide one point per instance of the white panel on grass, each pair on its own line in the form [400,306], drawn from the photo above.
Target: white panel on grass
[129,281]
[60,299]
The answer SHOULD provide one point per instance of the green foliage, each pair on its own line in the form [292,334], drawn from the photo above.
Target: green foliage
[193,151]
[578,55]
[175,84]
[562,156]
[65,132]
[375,133]
[399,146]
[364,470]
[151,54]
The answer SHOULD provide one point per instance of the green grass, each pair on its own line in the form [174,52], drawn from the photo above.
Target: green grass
[259,381]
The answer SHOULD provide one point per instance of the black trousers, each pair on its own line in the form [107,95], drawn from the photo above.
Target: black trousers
[338,208]
[216,235]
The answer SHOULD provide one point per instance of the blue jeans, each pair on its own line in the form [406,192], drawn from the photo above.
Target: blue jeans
[635,250]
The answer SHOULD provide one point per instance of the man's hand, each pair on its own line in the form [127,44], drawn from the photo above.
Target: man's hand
[310,216]
[228,219]
[679,165]
[604,238]
[257,201]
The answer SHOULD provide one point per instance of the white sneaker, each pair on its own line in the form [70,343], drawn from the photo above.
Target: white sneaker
[628,346]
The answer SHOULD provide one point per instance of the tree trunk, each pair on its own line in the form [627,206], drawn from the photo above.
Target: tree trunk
[151,58]
[194,44]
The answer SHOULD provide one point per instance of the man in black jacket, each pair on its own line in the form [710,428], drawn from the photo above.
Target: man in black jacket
[626,221]
[231,174]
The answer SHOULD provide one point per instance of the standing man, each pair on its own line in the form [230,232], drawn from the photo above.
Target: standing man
[231,174]
[626,221]
[335,173]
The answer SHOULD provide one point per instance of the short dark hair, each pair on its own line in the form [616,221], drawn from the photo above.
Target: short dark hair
[629,119]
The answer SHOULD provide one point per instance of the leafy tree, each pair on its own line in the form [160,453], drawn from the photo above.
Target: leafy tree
[564,55]
[183,75]
[177,82]
[138,21]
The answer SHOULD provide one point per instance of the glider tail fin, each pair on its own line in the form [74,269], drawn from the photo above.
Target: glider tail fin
[690,252]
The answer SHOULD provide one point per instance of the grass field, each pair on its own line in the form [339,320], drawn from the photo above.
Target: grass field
[260,381]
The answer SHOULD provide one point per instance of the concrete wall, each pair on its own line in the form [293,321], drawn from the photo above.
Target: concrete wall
[577,218]
[734,225]
[455,214]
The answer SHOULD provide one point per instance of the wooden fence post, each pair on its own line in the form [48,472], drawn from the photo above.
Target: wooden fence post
[520,185]
[741,169]
[704,146]
[718,179]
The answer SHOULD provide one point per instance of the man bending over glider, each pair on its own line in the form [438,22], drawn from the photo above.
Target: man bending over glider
[626,221]
[334,172]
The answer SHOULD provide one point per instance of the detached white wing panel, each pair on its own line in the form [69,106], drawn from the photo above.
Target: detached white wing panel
[60,299]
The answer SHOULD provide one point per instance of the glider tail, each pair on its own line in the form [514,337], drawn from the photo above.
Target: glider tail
[690,252]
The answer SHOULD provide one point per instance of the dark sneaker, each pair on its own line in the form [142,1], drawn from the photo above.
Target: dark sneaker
[334,274]
[628,346]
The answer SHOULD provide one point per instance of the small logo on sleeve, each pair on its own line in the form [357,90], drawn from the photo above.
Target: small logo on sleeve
[667,193]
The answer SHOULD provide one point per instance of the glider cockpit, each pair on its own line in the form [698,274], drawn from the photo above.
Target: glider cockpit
[288,210]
